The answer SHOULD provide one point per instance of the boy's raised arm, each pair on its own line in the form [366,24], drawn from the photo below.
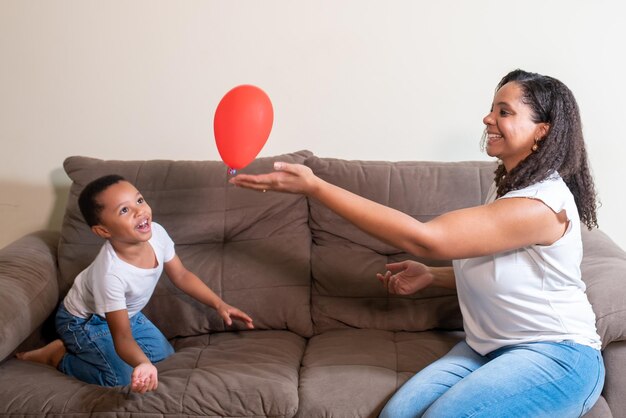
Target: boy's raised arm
[191,284]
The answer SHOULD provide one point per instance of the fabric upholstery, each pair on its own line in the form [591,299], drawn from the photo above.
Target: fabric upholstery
[235,374]
[615,363]
[345,260]
[600,410]
[603,269]
[28,287]
[224,234]
[330,342]
[357,371]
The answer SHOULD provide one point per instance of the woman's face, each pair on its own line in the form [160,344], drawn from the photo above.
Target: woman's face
[511,132]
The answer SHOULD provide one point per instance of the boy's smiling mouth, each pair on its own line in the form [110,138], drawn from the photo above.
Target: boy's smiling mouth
[144,226]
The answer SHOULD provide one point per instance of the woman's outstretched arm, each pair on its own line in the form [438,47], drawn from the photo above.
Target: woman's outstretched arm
[500,226]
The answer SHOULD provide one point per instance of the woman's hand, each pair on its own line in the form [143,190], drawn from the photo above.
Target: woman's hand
[291,178]
[228,312]
[406,277]
[144,378]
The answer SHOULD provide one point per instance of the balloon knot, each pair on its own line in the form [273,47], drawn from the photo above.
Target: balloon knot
[232,171]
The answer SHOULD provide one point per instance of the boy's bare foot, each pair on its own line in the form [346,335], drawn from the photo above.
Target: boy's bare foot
[50,354]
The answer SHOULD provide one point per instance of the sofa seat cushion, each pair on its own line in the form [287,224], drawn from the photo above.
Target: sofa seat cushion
[352,372]
[245,374]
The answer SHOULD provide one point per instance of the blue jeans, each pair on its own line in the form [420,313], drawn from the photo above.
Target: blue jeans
[91,355]
[542,379]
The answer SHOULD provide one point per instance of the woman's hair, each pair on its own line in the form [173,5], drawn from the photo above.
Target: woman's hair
[88,198]
[562,149]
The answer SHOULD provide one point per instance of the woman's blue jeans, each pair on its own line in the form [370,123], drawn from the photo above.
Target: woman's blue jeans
[91,355]
[542,379]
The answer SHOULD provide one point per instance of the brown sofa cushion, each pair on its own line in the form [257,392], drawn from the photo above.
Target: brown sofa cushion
[345,260]
[222,233]
[349,373]
[234,374]
[28,287]
[603,269]
[355,372]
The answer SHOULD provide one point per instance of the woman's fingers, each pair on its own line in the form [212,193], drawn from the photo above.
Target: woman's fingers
[396,267]
[259,181]
[388,280]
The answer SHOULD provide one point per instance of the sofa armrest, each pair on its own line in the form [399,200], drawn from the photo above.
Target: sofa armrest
[29,288]
[615,384]
[604,273]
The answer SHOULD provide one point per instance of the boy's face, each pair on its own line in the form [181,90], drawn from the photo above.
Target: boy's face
[125,216]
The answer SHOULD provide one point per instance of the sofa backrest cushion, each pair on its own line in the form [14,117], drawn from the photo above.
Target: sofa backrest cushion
[602,268]
[224,234]
[345,260]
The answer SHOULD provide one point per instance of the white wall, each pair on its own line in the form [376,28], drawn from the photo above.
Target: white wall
[356,79]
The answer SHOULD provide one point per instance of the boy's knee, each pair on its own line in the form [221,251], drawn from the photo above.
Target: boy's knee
[157,352]
[164,353]
[110,378]
[116,381]
[169,350]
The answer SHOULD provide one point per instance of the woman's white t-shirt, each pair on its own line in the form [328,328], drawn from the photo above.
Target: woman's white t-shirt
[111,284]
[530,294]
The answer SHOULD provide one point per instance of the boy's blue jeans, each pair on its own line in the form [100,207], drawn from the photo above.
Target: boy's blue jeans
[540,379]
[91,356]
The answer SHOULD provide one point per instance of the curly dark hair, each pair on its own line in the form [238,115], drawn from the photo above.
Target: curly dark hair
[88,203]
[562,149]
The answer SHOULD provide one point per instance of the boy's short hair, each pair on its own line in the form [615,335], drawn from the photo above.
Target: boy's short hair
[87,200]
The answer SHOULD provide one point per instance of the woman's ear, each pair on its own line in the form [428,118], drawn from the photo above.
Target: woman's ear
[100,231]
[543,129]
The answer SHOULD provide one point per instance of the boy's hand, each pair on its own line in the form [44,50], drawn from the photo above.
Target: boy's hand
[228,312]
[144,378]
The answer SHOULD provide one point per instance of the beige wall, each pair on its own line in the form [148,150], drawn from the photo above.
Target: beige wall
[352,79]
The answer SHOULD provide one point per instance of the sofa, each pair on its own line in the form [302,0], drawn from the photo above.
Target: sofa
[329,340]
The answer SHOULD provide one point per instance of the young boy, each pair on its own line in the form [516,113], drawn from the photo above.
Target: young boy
[105,339]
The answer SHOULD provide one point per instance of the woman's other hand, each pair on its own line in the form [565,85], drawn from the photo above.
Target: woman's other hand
[406,277]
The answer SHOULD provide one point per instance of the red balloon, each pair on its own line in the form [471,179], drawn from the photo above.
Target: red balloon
[243,121]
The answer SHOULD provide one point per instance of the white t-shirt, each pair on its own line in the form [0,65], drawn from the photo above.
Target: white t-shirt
[530,294]
[111,284]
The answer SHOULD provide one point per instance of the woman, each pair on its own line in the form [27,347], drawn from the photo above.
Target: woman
[531,346]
